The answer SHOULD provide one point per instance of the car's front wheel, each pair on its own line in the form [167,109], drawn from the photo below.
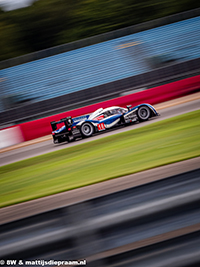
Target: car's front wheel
[143,113]
[87,129]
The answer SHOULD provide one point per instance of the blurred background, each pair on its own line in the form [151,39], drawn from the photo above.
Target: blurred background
[52,50]
[60,55]
[46,23]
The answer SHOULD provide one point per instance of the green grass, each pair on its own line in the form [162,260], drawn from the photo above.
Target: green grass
[150,146]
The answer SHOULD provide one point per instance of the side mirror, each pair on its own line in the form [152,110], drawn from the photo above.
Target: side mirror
[129,107]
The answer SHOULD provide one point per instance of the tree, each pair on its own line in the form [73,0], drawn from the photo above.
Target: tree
[47,23]
[41,23]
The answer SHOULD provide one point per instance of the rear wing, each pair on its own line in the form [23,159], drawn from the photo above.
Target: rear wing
[67,121]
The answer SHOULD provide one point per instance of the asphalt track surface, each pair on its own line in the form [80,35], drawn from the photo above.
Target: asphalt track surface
[118,223]
[29,208]
[38,148]
[64,199]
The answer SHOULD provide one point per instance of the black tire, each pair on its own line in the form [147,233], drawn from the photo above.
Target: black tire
[143,113]
[87,129]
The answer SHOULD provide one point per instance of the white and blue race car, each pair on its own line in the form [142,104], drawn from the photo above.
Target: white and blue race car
[102,119]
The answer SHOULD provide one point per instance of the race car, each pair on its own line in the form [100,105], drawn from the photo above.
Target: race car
[69,129]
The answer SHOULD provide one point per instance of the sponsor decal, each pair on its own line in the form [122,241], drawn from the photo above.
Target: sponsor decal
[59,130]
[99,118]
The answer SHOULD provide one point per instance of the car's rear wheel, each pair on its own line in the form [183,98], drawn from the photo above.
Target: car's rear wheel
[87,129]
[143,113]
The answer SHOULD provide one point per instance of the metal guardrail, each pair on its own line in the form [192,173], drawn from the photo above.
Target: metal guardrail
[181,251]
[115,228]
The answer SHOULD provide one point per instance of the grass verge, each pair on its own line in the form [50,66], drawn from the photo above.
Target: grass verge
[147,147]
